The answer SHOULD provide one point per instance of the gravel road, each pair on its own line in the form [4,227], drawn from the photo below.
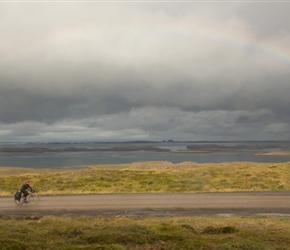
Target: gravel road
[154,204]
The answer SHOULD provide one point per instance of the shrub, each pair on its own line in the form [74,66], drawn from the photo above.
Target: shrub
[219,230]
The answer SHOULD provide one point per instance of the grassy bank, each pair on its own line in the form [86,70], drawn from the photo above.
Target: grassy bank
[150,177]
[203,233]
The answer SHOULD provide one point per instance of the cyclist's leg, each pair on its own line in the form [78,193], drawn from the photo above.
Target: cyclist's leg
[25,193]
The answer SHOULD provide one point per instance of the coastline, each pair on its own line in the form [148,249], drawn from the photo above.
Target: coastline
[275,153]
[58,155]
[189,148]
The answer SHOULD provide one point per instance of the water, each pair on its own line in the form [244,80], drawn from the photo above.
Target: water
[61,159]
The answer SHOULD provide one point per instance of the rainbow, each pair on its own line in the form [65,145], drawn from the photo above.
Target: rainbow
[270,49]
[267,48]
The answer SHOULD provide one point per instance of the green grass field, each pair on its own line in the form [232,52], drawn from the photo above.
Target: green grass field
[201,233]
[150,177]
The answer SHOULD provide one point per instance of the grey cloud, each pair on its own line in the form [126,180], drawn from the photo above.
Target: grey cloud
[18,104]
[272,13]
[144,70]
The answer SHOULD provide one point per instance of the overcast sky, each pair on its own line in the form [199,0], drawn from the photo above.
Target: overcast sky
[110,71]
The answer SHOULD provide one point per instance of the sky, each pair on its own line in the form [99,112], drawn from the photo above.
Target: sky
[137,70]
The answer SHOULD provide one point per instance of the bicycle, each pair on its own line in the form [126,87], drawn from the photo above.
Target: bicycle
[32,198]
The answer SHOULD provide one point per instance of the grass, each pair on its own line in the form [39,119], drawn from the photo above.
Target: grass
[219,233]
[120,233]
[150,177]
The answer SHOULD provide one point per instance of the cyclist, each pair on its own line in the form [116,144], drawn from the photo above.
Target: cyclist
[24,189]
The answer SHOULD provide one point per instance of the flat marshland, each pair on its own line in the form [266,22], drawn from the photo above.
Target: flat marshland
[85,232]
[150,177]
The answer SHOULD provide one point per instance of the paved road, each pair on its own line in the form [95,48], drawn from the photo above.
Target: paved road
[164,204]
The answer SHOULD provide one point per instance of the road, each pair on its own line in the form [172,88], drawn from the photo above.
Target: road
[154,204]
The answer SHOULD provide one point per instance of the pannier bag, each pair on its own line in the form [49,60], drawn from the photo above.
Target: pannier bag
[17,195]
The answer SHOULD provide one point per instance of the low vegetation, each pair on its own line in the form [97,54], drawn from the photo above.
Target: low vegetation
[120,233]
[202,233]
[150,177]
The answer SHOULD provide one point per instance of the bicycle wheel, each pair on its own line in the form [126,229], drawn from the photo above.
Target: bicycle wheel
[33,198]
[20,201]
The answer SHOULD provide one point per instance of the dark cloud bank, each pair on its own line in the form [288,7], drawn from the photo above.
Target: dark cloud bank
[187,71]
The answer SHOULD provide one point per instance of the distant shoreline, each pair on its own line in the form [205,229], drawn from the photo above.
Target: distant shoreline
[73,149]
[276,153]
[257,149]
